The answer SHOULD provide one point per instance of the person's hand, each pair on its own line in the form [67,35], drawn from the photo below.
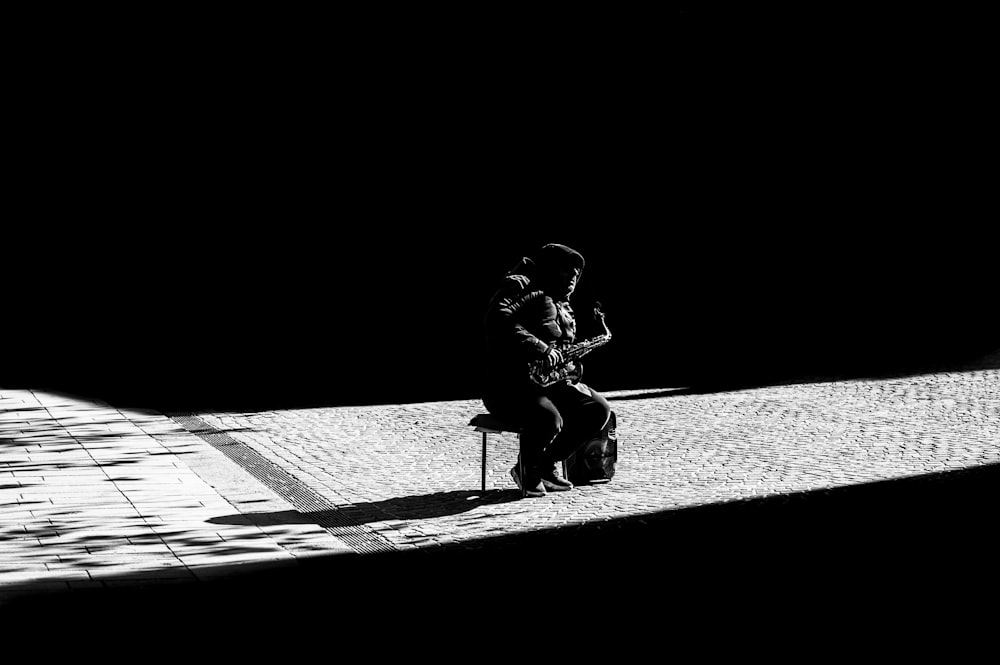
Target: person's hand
[553,358]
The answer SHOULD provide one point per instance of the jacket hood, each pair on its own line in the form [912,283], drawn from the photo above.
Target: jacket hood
[524,267]
[541,269]
[554,256]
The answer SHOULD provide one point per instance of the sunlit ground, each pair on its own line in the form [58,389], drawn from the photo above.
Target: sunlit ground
[91,494]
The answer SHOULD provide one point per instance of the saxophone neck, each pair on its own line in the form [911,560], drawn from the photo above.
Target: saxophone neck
[600,319]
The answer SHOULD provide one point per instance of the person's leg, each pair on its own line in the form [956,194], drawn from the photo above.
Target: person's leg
[584,414]
[540,423]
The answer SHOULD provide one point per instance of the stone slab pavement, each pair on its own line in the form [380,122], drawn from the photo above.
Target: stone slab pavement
[92,495]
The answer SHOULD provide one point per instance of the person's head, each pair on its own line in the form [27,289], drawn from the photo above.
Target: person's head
[559,268]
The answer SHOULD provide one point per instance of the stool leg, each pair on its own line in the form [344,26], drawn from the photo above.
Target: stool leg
[520,466]
[484,461]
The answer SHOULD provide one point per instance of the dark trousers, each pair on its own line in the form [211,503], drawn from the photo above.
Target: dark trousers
[555,421]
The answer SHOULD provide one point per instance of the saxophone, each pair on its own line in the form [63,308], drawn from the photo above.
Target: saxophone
[570,352]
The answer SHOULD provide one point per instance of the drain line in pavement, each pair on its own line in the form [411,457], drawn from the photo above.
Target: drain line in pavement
[288,487]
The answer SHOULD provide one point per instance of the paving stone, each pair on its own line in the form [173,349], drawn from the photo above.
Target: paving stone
[408,474]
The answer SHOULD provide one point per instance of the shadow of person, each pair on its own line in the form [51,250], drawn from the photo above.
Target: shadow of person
[414,507]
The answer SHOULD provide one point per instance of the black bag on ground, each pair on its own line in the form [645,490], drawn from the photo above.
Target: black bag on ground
[595,460]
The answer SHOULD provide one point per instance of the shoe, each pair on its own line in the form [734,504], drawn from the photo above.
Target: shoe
[553,482]
[534,489]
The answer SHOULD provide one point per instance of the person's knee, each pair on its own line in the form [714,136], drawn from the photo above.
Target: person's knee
[600,412]
[547,425]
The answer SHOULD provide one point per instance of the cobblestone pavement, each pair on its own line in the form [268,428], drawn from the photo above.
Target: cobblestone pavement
[91,493]
[409,474]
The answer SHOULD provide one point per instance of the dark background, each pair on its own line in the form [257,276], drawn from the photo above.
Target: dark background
[250,208]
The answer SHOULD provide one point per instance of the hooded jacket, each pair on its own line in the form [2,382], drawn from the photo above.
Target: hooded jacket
[524,318]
